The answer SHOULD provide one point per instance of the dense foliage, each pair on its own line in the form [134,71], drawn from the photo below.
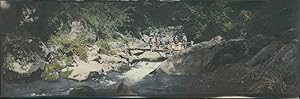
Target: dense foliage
[74,26]
[200,20]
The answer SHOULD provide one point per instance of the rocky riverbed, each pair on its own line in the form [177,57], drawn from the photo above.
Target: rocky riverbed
[105,85]
[202,69]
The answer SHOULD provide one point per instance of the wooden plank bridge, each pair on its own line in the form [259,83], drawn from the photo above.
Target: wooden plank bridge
[167,49]
[155,50]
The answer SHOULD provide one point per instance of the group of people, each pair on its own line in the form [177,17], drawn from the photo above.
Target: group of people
[161,40]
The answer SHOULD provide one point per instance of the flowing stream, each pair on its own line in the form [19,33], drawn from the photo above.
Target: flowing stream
[138,78]
[106,84]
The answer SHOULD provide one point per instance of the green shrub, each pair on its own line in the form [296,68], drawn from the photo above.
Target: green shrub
[77,46]
[69,60]
[104,46]
[80,47]
[59,40]
[51,71]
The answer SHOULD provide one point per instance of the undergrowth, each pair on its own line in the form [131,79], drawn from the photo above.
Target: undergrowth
[265,81]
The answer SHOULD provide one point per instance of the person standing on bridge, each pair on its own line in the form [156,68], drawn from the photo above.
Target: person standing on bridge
[171,42]
[157,40]
[151,42]
[184,40]
[176,41]
[164,41]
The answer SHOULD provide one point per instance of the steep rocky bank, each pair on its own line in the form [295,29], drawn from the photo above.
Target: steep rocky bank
[272,70]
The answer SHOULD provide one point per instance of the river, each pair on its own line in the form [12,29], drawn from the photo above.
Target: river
[138,78]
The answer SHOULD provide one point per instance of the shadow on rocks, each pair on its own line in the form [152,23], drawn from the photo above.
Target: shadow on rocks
[125,90]
[82,91]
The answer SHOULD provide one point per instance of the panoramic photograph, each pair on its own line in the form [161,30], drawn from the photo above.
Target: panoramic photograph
[150,48]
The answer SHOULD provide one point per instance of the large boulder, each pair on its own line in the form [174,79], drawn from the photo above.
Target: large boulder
[152,56]
[84,69]
[136,52]
[202,57]
[190,64]
[273,70]
[24,56]
[112,59]
[129,58]
[276,68]
[279,56]
[264,54]
[82,91]
[93,55]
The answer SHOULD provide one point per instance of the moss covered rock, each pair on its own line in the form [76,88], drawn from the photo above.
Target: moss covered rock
[54,71]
